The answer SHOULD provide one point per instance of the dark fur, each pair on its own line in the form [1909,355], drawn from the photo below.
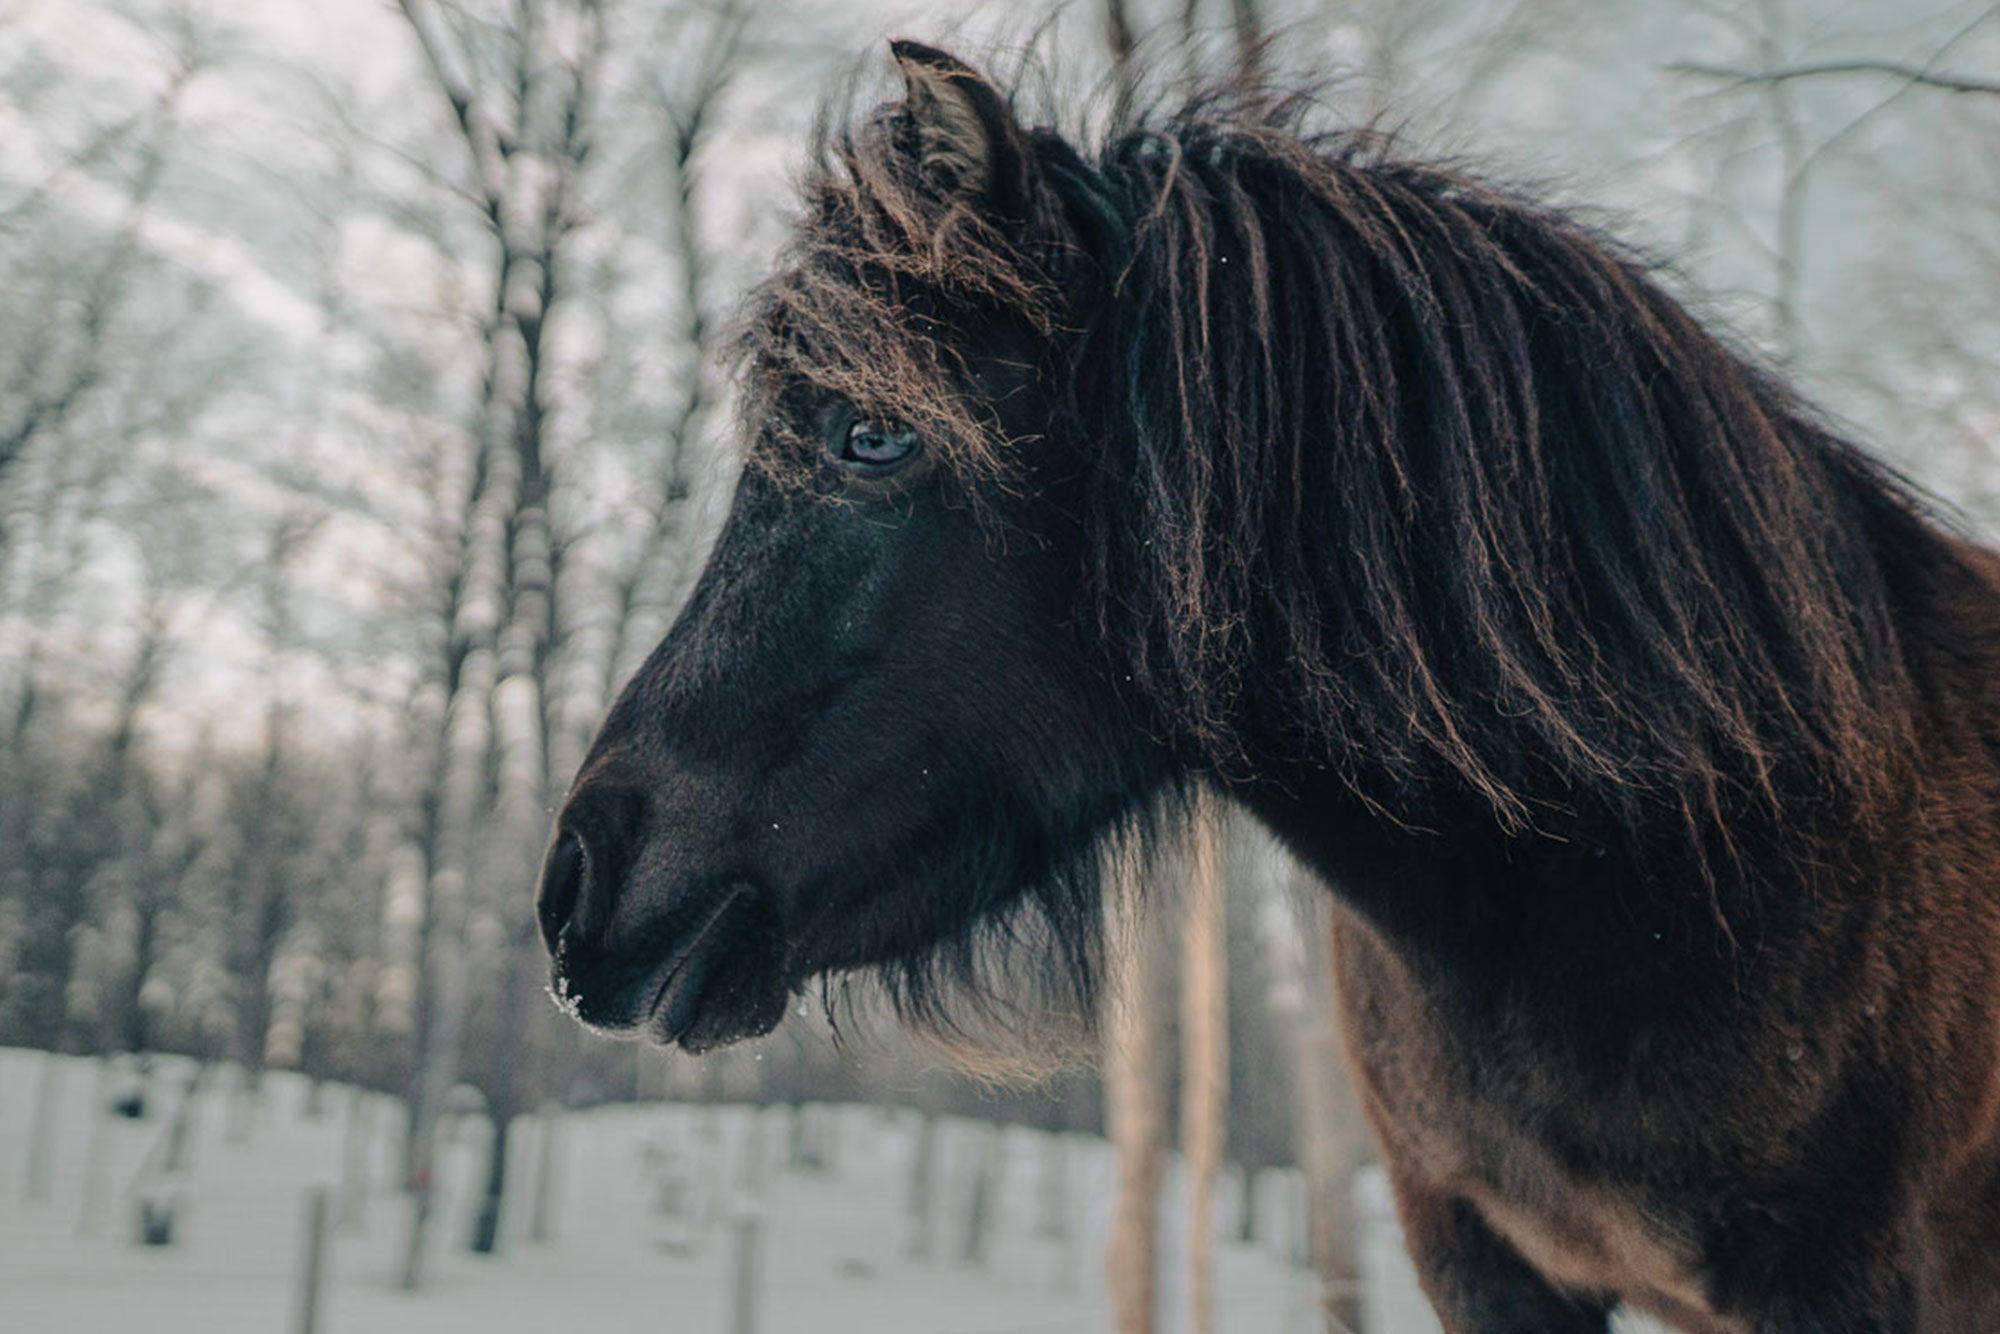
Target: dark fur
[1644,726]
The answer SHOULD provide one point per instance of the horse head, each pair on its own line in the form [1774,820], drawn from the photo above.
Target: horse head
[880,728]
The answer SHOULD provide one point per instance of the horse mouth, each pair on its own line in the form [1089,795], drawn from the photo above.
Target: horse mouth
[676,1005]
[704,990]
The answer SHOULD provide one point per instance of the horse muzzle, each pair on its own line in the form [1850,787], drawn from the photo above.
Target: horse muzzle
[693,971]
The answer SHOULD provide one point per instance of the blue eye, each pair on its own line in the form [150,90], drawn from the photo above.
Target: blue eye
[874,446]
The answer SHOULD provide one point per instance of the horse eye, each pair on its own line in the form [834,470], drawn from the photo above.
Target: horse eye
[874,446]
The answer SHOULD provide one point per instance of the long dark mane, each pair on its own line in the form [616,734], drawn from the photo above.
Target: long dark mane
[1394,473]
[1444,488]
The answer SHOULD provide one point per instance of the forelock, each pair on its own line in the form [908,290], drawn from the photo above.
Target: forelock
[877,297]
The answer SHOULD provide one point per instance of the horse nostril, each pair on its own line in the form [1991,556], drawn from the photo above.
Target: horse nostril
[562,886]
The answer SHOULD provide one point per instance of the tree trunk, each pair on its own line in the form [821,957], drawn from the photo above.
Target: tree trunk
[1052,1193]
[43,1129]
[486,1226]
[1333,1140]
[1133,1098]
[130,1008]
[357,1149]
[96,1163]
[989,1161]
[548,1172]
[922,1199]
[253,1022]
[506,1085]
[524,178]
[1204,1050]
[180,1134]
[1246,1208]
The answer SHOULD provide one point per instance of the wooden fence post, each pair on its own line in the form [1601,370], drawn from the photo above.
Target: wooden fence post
[312,1265]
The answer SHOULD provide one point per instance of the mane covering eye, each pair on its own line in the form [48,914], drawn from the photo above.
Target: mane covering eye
[866,445]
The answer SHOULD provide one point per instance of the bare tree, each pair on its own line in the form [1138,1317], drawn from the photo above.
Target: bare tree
[1134,1094]
[105,365]
[1204,1048]
[715,43]
[275,829]
[1333,1139]
[1762,91]
[1921,76]
[57,370]
[524,119]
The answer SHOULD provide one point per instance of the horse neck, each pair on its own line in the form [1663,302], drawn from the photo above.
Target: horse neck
[1500,912]
[1638,905]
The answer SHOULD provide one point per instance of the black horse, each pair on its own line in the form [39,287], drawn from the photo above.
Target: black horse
[1647,732]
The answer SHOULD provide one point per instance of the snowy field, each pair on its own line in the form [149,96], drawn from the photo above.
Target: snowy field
[644,1223]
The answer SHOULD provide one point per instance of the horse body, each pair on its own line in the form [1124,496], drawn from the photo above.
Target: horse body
[1647,734]
[1787,1117]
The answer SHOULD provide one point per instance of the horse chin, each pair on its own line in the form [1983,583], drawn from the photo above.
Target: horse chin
[720,984]
[721,996]
[703,979]
[711,1028]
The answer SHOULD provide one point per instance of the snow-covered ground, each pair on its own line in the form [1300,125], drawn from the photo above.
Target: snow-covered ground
[644,1222]
[643,1226]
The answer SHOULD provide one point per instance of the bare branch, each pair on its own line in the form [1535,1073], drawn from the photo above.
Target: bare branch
[1951,83]
[488,147]
[48,406]
[1250,47]
[1123,44]
[689,118]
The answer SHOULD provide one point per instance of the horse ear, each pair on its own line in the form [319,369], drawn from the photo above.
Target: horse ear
[966,133]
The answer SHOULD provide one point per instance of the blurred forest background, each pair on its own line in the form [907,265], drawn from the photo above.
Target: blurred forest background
[361,425]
